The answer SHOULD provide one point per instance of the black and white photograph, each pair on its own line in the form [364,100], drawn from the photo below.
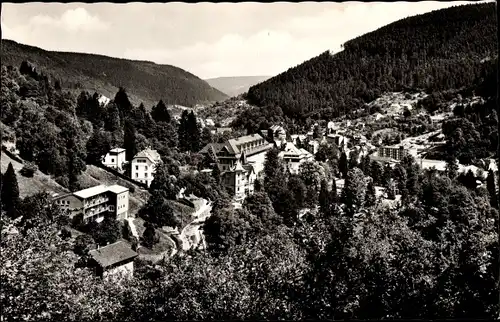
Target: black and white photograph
[249,161]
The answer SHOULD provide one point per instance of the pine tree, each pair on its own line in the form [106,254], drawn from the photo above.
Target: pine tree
[343,165]
[150,236]
[492,189]
[270,135]
[112,118]
[273,168]
[124,105]
[194,133]
[353,159]
[183,132]
[376,172]
[324,198]
[452,168]
[353,194]
[160,113]
[216,172]
[10,191]
[129,141]
[371,197]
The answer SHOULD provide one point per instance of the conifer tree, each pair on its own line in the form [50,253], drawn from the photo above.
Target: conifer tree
[160,113]
[273,168]
[353,160]
[194,133]
[182,131]
[150,236]
[452,168]
[353,194]
[324,198]
[129,141]
[124,104]
[10,191]
[112,118]
[492,189]
[371,197]
[343,165]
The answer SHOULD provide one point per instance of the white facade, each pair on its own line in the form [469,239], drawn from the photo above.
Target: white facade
[144,166]
[115,159]
[257,161]
[93,203]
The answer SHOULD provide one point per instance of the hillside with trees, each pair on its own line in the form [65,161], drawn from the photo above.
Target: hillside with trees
[452,48]
[147,82]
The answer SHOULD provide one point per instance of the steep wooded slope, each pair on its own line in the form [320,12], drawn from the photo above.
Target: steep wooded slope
[145,81]
[446,49]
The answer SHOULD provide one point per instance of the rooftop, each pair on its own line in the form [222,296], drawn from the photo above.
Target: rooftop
[152,155]
[117,189]
[242,140]
[90,192]
[113,253]
[117,150]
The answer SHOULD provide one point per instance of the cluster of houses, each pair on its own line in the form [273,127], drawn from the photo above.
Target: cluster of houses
[240,162]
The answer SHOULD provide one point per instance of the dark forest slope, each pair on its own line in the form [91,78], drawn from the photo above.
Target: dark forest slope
[145,81]
[446,49]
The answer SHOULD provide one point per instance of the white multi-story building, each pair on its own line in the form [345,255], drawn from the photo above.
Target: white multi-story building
[144,166]
[115,159]
[241,161]
[96,202]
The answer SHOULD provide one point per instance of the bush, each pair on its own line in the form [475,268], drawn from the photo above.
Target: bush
[29,169]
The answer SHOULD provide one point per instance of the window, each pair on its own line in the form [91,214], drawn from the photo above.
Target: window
[111,208]
[112,159]
[145,174]
[137,174]
[137,167]
[146,168]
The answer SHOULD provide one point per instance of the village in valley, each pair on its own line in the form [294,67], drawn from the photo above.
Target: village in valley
[240,163]
[364,180]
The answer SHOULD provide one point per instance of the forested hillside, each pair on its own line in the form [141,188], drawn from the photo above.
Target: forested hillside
[451,48]
[146,82]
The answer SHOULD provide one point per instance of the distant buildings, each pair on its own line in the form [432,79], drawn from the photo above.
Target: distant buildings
[293,157]
[396,153]
[339,140]
[240,161]
[96,202]
[221,130]
[144,166]
[115,159]
[114,260]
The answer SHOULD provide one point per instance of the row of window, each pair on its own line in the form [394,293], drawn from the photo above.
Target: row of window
[145,167]
[145,175]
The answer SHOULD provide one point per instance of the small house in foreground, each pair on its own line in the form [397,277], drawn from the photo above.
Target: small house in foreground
[115,260]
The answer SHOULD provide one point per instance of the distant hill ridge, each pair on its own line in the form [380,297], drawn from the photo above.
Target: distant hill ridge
[444,49]
[145,81]
[235,85]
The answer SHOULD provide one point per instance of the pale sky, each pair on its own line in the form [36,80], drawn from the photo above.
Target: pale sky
[206,39]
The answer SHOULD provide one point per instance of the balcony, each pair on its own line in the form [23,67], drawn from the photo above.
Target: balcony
[95,202]
[95,211]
